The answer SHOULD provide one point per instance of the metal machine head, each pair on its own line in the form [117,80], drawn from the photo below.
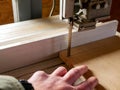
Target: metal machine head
[85,13]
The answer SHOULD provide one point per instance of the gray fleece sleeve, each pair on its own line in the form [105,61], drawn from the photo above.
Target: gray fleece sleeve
[10,83]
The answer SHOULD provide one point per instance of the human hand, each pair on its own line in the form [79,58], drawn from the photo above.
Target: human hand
[60,79]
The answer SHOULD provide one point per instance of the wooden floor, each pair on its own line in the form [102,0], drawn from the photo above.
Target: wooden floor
[103,59]
[25,72]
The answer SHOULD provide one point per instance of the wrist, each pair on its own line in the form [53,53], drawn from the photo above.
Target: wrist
[26,85]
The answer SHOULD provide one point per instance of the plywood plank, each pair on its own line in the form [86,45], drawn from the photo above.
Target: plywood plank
[25,72]
[28,42]
[39,29]
[103,59]
[6,13]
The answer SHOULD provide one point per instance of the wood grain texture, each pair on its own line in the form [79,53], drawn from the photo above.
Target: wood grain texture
[6,13]
[46,7]
[25,72]
[41,39]
[17,33]
[102,57]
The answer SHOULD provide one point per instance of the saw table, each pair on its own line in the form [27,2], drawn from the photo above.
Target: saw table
[102,58]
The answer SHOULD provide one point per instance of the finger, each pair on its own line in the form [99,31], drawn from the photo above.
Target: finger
[38,75]
[61,71]
[90,84]
[75,73]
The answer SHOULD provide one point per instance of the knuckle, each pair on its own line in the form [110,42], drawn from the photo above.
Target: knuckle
[62,67]
[76,71]
[40,73]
